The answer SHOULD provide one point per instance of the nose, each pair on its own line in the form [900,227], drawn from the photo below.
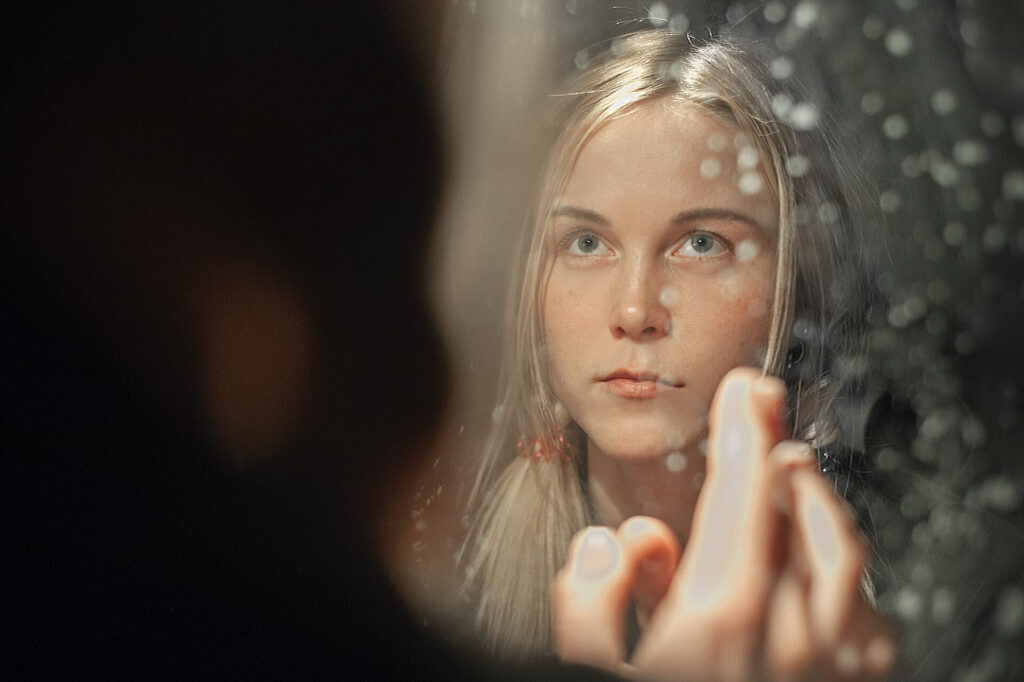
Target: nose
[639,311]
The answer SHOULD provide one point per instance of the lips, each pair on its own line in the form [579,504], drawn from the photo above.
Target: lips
[637,385]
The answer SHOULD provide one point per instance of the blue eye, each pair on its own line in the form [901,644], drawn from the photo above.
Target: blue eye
[701,245]
[588,245]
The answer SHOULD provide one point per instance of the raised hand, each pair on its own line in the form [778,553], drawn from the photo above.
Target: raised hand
[768,585]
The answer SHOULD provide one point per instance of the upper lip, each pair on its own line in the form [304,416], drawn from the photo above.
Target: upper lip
[639,375]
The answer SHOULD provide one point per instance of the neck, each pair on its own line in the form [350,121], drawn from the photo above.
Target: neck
[621,488]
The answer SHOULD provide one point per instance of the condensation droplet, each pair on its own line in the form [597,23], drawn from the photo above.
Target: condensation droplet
[717,141]
[710,168]
[847,659]
[781,68]
[872,102]
[1013,185]
[895,126]
[774,11]
[943,606]
[805,15]
[828,212]
[797,166]
[746,250]
[750,183]
[782,103]
[582,59]
[890,201]
[993,238]
[873,27]
[1009,616]
[658,14]
[678,24]
[803,115]
[1018,130]
[675,462]
[908,605]
[668,297]
[992,124]
[898,42]
[970,152]
[757,308]
[944,101]
[702,446]
[954,234]
[747,158]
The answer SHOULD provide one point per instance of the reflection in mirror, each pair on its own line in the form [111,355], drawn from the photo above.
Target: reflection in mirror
[830,192]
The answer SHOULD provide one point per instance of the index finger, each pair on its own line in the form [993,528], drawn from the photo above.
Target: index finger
[727,560]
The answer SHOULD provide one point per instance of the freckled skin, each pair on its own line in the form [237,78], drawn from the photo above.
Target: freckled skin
[603,308]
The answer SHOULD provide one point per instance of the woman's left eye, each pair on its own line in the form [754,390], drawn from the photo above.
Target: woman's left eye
[701,245]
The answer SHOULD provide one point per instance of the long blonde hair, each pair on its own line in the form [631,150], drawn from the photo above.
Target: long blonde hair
[524,511]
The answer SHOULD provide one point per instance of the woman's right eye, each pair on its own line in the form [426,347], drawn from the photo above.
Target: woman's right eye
[587,245]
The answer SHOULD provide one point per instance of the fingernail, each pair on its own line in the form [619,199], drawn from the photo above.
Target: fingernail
[637,526]
[598,554]
[792,454]
[736,439]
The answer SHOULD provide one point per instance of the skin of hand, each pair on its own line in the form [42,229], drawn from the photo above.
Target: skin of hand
[768,586]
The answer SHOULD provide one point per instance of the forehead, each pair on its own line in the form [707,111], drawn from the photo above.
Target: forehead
[671,157]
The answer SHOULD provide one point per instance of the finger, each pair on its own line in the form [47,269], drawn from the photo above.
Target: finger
[727,563]
[589,600]
[834,553]
[651,554]
[789,648]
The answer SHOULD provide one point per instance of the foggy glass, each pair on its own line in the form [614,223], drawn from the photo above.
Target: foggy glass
[929,97]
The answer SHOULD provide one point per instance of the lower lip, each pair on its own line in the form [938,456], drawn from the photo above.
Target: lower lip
[634,389]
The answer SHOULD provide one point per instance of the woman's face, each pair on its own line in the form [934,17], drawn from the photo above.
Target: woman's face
[664,244]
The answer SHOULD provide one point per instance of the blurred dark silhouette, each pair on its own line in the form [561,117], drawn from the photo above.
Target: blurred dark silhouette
[216,355]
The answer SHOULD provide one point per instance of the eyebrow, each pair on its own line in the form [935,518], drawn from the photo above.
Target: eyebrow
[679,218]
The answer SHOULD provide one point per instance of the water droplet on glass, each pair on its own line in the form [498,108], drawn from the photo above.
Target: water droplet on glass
[717,141]
[747,158]
[582,59]
[803,116]
[746,250]
[750,183]
[774,11]
[895,126]
[675,462]
[992,124]
[678,24]
[710,167]
[781,68]
[898,42]
[797,166]
[658,14]
[873,27]
[1013,185]
[890,201]
[1009,616]
[668,297]
[805,15]
[872,103]
[828,212]
[757,308]
[944,101]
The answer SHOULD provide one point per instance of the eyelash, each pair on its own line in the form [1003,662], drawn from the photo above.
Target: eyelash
[566,243]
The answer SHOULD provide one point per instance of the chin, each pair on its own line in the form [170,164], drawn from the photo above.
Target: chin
[640,439]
